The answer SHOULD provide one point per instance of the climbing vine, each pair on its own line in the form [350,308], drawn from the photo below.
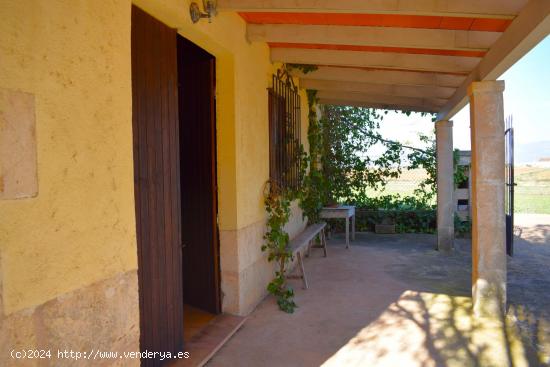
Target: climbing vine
[277,206]
[304,68]
[313,188]
[310,195]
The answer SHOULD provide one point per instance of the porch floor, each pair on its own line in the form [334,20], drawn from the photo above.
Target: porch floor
[392,300]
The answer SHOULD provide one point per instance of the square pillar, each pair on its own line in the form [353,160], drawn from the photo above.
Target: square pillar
[488,219]
[445,185]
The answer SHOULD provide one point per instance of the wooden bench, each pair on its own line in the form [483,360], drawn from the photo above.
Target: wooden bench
[303,240]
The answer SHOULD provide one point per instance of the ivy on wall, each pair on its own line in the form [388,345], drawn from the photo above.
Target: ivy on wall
[277,206]
[314,186]
[310,195]
[304,68]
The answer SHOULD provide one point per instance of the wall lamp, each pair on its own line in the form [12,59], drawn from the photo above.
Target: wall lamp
[210,7]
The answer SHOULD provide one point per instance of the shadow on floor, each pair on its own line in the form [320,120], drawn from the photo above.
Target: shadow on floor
[391,300]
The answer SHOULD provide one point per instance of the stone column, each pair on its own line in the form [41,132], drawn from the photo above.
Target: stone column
[488,220]
[445,185]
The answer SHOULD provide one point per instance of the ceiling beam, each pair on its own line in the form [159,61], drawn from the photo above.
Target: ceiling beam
[440,39]
[377,76]
[462,8]
[338,102]
[378,20]
[530,27]
[417,91]
[431,104]
[388,60]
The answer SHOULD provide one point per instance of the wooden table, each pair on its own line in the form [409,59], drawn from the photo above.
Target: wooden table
[346,212]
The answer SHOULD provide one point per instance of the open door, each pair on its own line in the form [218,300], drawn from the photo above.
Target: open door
[157,185]
[201,266]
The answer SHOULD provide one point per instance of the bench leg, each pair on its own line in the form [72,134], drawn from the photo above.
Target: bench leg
[309,245]
[302,270]
[324,241]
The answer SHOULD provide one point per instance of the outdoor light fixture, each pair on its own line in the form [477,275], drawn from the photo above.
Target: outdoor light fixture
[210,7]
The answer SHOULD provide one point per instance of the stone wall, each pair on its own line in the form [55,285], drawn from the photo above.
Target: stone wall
[102,316]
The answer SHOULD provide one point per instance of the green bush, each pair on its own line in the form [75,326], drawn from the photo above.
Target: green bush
[406,221]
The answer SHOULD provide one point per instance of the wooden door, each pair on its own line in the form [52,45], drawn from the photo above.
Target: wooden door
[201,273]
[157,184]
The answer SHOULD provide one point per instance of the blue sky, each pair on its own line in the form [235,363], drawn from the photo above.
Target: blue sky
[526,98]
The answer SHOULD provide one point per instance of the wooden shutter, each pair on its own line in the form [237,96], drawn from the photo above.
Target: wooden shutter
[157,186]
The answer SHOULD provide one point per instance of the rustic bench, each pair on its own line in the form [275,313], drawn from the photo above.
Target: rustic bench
[303,240]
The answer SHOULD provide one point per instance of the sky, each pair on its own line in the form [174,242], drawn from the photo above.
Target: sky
[526,98]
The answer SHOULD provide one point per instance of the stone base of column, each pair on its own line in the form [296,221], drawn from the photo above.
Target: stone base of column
[445,239]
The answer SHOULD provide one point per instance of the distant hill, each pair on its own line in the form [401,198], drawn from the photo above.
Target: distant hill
[531,152]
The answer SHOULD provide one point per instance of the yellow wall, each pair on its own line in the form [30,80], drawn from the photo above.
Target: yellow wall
[74,56]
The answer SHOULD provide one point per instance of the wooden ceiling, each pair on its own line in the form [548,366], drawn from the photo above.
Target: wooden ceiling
[403,54]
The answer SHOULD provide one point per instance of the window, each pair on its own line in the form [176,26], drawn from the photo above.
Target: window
[284,132]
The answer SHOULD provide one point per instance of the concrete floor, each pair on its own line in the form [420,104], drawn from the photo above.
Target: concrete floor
[529,280]
[391,300]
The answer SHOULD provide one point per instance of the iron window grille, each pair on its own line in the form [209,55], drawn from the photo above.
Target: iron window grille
[284,132]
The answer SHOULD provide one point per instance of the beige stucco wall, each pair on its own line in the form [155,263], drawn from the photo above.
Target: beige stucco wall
[79,230]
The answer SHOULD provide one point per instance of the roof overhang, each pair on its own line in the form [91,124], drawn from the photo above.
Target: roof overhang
[410,55]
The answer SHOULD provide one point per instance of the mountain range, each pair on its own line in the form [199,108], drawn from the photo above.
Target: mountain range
[531,152]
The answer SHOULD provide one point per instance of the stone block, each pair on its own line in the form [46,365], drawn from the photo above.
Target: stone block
[18,172]
[102,316]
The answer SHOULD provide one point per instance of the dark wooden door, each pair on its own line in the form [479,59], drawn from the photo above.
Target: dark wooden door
[201,274]
[157,184]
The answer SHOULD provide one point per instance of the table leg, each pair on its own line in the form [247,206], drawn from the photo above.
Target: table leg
[353,228]
[347,232]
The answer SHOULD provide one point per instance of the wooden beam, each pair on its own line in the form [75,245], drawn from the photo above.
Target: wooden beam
[530,27]
[379,20]
[338,102]
[388,60]
[431,104]
[462,8]
[377,76]
[400,50]
[417,91]
[440,39]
